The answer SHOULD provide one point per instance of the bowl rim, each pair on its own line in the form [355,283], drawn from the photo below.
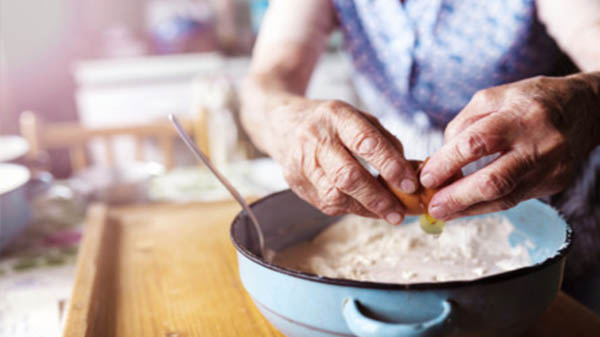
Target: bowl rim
[559,255]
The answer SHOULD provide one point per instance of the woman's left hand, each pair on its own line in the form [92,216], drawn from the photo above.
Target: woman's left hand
[542,128]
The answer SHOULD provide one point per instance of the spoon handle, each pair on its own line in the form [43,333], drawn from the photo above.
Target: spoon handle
[236,195]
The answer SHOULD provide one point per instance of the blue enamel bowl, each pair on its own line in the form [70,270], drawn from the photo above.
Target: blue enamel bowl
[301,304]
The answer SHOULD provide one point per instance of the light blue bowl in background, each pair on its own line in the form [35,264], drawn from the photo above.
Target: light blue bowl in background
[301,304]
[15,211]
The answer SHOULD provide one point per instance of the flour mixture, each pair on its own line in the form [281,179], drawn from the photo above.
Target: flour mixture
[372,250]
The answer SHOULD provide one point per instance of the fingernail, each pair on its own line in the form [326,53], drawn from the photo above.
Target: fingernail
[427,180]
[381,205]
[408,186]
[367,145]
[394,218]
[437,211]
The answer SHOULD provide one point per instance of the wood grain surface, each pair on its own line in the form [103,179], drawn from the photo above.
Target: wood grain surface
[170,271]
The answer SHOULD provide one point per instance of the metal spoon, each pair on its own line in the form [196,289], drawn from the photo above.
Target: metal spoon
[266,253]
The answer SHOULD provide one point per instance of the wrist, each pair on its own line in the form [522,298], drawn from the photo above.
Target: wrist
[590,82]
[267,111]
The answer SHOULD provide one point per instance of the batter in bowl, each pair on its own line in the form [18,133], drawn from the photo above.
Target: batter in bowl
[367,249]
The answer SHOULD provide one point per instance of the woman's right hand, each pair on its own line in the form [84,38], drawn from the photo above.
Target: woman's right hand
[316,143]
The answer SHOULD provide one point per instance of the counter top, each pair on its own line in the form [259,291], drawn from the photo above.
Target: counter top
[171,270]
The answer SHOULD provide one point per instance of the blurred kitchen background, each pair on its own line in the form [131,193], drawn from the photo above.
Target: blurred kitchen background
[85,89]
[107,63]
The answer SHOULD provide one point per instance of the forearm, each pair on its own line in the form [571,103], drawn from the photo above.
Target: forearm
[575,26]
[293,36]
[266,98]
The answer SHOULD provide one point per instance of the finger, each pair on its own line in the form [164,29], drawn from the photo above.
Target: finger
[529,187]
[501,204]
[349,177]
[309,182]
[485,137]
[300,184]
[498,179]
[330,200]
[368,142]
[393,139]
[334,202]
[481,105]
[356,208]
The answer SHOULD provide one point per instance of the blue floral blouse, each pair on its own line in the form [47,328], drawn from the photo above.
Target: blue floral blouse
[431,56]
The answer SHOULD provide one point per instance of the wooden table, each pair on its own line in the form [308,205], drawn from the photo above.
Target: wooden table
[171,271]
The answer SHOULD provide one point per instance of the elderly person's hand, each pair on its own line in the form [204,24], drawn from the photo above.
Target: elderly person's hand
[542,128]
[317,142]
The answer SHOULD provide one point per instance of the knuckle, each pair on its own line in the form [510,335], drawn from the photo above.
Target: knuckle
[557,142]
[525,163]
[481,96]
[296,182]
[348,177]
[454,203]
[332,107]
[450,130]
[494,185]
[320,181]
[475,145]
[373,120]
[356,209]
[514,93]
[310,132]
[508,203]
[305,132]
[333,202]
[333,197]
[390,168]
[367,142]
[377,204]
[536,109]
[537,105]
[541,79]
[294,162]
[332,210]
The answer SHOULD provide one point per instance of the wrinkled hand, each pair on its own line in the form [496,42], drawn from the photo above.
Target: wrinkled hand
[542,128]
[317,142]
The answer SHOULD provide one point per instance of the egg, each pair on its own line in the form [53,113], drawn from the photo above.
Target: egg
[431,225]
[417,203]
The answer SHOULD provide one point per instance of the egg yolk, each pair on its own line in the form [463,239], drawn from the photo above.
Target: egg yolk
[431,225]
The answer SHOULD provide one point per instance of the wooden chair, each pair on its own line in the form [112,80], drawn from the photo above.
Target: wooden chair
[74,137]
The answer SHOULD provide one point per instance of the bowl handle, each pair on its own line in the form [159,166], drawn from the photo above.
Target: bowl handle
[364,326]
